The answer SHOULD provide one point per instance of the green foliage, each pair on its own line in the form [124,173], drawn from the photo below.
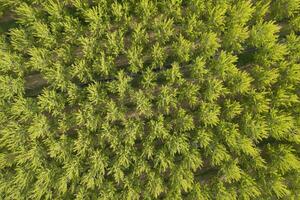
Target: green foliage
[146,99]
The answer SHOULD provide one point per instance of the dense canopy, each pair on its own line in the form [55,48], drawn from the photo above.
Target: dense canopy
[150,99]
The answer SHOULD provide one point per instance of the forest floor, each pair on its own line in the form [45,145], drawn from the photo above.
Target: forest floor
[6,22]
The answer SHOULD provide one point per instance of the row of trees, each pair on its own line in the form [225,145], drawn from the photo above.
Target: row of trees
[149,99]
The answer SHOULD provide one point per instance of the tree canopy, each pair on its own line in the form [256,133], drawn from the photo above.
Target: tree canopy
[150,99]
